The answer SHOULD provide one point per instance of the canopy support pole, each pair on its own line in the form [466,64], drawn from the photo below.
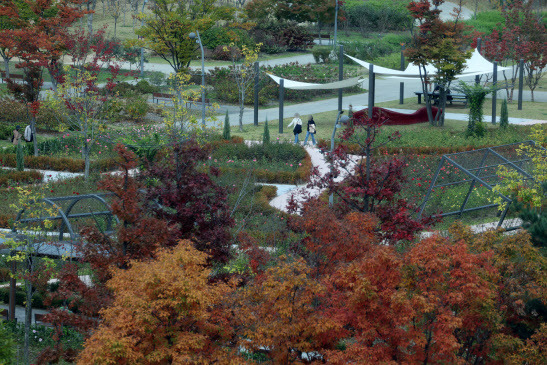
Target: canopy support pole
[281,97]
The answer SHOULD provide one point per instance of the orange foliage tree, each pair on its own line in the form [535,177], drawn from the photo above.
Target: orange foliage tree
[415,306]
[165,311]
[330,240]
[279,315]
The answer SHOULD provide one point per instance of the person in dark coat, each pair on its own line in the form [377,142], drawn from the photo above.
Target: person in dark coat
[311,130]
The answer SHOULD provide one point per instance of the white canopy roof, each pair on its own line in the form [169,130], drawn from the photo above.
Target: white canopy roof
[476,65]
[297,85]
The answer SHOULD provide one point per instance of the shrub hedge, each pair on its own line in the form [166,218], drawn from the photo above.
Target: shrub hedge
[274,152]
[281,152]
[378,15]
[301,174]
[21,177]
[58,163]
[13,112]
[223,84]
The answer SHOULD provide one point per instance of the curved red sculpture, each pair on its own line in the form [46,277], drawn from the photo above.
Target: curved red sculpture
[395,118]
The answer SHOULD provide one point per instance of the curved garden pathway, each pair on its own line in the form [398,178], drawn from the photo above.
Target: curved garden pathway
[303,192]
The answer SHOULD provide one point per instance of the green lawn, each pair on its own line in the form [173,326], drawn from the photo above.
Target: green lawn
[530,110]
[452,134]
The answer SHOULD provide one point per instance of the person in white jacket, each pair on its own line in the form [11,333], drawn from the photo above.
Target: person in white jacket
[297,122]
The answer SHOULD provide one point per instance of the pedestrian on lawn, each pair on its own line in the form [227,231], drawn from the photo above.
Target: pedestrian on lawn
[16,137]
[297,122]
[311,130]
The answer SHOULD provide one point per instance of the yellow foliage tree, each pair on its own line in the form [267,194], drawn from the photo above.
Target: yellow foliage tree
[529,192]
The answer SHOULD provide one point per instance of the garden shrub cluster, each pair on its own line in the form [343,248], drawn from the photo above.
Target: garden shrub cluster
[14,113]
[20,298]
[277,37]
[224,36]
[6,130]
[58,163]
[378,15]
[222,82]
[267,154]
[20,177]
[226,53]
[369,49]
[278,152]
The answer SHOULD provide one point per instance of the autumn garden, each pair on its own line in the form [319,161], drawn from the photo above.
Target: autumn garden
[135,232]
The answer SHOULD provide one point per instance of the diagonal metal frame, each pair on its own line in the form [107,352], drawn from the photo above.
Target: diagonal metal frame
[476,177]
[65,216]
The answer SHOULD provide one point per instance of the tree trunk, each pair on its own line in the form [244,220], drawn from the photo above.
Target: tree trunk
[115,26]
[427,100]
[33,129]
[86,159]
[90,23]
[241,108]
[6,66]
[28,313]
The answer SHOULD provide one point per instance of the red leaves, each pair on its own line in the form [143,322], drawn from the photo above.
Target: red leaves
[190,201]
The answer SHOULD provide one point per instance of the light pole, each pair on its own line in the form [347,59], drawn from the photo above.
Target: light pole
[335,21]
[343,119]
[142,49]
[193,36]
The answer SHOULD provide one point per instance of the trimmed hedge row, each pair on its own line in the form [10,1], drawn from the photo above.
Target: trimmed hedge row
[58,163]
[354,148]
[25,177]
[301,174]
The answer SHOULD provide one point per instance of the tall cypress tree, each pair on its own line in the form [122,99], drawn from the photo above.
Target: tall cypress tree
[266,135]
[226,131]
[19,157]
[504,115]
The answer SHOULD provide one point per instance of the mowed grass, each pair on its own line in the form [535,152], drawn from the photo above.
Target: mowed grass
[530,110]
[415,135]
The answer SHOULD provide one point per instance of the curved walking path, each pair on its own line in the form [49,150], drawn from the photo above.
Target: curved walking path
[303,192]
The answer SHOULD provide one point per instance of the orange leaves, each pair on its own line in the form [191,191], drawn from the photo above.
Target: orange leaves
[279,312]
[331,240]
[164,311]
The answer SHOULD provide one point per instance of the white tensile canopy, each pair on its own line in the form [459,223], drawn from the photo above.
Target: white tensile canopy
[297,85]
[476,65]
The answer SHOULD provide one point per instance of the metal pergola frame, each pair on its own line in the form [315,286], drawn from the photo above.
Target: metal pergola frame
[66,215]
[474,176]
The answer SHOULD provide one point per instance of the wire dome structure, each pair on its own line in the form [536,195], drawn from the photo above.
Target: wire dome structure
[73,212]
[463,184]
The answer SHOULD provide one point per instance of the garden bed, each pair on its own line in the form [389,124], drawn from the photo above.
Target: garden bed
[13,177]
[272,163]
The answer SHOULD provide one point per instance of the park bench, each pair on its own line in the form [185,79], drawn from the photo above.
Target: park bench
[322,36]
[11,76]
[458,98]
[39,319]
[157,96]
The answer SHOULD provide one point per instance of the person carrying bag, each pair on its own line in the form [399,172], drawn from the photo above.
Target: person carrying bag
[297,122]
[311,131]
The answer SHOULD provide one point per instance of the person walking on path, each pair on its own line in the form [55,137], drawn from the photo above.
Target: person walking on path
[297,122]
[311,130]
[16,136]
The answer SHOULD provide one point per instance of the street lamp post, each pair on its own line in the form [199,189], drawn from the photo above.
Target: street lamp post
[142,49]
[338,120]
[335,21]
[193,36]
